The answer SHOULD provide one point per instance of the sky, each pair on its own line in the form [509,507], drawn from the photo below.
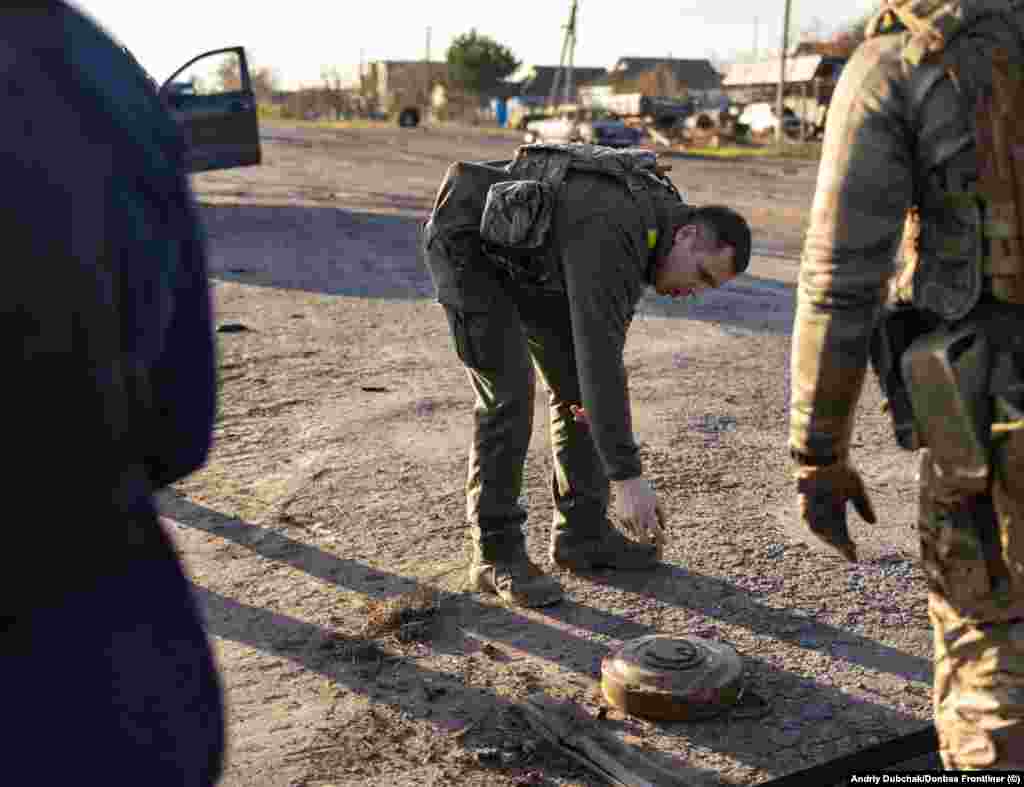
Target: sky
[299,38]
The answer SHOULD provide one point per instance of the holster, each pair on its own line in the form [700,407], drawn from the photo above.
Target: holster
[947,374]
[895,330]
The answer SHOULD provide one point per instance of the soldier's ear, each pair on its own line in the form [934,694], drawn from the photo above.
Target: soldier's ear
[687,230]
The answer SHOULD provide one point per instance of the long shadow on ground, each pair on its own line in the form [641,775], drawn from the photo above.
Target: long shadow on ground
[324,250]
[554,635]
[336,251]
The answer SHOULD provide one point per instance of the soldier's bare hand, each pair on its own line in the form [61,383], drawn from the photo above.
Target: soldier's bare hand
[637,508]
[822,493]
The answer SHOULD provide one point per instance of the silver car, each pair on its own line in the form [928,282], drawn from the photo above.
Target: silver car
[583,125]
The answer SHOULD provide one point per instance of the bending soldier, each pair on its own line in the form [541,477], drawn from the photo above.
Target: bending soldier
[918,127]
[540,262]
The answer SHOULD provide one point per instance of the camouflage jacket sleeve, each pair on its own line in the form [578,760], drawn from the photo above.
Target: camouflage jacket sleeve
[604,267]
[865,186]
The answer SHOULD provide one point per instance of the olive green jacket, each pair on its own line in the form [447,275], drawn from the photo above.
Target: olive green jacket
[607,263]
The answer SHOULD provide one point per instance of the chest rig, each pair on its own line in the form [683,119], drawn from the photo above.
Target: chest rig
[963,237]
[516,227]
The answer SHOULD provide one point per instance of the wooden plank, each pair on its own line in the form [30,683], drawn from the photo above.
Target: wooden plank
[574,733]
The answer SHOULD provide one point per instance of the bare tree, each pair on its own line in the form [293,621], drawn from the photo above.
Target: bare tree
[264,83]
[264,79]
[302,104]
[337,97]
[229,74]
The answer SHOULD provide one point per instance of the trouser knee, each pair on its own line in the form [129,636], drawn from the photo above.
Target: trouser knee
[979,690]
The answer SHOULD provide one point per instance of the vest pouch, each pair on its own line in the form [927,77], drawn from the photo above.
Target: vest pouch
[947,280]
[897,327]
[517,214]
[1000,143]
[948,373]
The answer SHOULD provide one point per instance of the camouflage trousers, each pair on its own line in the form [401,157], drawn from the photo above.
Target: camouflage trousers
[976,606]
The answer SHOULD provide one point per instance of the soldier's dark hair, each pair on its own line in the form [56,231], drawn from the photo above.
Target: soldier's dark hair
[730,229]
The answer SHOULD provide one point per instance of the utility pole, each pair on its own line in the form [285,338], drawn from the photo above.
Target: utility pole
[782,77]
[565,62]
[428,99]
[363,99]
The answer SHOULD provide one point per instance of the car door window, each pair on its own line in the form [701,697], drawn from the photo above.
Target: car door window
[212,74]
[212,100]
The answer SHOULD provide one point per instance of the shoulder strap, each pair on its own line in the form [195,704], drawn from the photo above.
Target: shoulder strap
[636,168]
[929,25]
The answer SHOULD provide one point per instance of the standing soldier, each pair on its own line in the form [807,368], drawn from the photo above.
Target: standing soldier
[541,262]
[920,128]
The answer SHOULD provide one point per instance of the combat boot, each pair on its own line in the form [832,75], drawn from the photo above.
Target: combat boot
[600,547]
[502,567]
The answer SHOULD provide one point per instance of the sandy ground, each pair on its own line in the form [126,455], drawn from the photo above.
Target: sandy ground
[335,487]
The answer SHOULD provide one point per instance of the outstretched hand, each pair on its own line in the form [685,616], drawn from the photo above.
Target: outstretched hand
[637,508]
[822,493]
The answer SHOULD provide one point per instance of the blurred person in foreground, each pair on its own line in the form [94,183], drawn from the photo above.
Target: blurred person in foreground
[922,135]
[107,351]
[539,264]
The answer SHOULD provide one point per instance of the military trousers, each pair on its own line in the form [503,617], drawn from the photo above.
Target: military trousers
[976,606]
[507,334]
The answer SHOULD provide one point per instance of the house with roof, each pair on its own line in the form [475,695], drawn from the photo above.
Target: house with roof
[533,83]
[810,81]
[666,77]
[390,85]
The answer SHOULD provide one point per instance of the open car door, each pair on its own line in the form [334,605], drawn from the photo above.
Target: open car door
[211,98]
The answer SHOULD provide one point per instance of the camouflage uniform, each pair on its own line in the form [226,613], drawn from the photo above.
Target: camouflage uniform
[571,327]
[900,134]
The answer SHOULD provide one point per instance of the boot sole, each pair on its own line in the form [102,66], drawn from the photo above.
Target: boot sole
[553,596]
[577,564]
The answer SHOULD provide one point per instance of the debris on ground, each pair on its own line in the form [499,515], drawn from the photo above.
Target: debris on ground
[409,616]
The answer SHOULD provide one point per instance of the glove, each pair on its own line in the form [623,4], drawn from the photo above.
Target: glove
[822,493]
[637,508]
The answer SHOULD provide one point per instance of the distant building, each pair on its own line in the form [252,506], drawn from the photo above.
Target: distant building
[672,78]
[810,78]
[391,85]
[533,83]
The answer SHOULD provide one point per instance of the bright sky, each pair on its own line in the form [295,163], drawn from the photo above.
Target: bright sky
[297,38]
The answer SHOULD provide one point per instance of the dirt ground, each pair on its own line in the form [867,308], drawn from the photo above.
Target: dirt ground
[335,489]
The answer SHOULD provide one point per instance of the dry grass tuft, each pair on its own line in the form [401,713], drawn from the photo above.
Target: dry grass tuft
[408,616]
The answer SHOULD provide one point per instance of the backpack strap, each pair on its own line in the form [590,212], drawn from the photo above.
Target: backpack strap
[637,169]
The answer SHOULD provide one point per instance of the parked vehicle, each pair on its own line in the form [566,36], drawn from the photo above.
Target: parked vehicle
[760,119]
[660,110]
[220,124]
[583,125]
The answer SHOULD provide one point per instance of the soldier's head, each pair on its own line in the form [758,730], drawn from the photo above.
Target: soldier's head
[711,248]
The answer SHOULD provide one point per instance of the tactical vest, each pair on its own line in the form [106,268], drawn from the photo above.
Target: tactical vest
[504,213]
[963,236]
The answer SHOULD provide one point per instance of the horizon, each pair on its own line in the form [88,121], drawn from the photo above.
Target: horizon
[297,54]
